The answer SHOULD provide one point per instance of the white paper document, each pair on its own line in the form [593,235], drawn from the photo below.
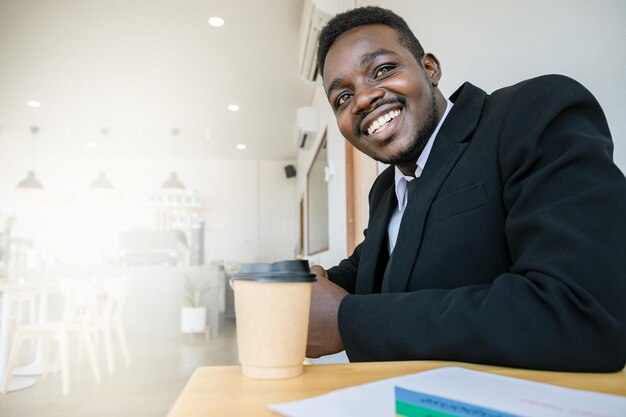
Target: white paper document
[459,391]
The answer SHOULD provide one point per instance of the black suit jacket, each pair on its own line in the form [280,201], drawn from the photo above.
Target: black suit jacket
[511,250]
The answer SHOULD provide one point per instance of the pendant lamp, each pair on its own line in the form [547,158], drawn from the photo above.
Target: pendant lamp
[30,182]
[173,183]
[101,182]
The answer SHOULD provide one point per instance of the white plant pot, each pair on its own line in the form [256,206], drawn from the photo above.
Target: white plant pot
[193,319]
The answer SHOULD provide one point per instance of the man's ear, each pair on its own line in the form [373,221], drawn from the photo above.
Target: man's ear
[431,65]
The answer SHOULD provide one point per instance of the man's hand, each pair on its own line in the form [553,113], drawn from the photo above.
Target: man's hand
[324,338]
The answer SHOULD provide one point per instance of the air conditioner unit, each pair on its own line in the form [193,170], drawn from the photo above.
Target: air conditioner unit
[306,123]
[315,14]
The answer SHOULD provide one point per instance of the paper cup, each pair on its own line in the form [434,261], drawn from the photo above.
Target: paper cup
[272,304]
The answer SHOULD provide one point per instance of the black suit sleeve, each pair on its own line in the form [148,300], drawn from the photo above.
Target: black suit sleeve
[345,274]
[562,304]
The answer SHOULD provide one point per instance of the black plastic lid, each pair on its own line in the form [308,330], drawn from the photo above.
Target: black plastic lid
[296,270]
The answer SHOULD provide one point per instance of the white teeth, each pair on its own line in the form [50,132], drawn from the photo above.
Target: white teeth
[381,123]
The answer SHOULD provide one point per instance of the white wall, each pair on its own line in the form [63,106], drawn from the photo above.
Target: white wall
[277,214]
[336,186]
[250,205]
[495,43]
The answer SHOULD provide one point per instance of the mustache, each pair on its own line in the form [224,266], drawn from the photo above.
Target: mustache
[397,99]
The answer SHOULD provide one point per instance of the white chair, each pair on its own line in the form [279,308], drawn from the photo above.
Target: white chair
[24,301]
[109,317]
[76,321]
[17,254]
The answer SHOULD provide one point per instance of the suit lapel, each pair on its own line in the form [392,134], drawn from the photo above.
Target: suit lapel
[448,147]
[376,237]
[421,193]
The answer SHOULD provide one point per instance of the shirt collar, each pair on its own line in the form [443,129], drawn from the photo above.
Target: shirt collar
[421,161]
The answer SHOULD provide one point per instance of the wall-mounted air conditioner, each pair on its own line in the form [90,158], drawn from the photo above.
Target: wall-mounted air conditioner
[315,14]
[306,123]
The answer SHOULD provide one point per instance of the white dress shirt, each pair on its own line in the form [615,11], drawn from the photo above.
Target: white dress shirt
[402,182]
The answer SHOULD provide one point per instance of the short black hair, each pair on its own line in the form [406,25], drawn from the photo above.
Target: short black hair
[362,16]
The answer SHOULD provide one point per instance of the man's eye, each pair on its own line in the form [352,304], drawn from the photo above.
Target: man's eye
[382,70]
[342,98]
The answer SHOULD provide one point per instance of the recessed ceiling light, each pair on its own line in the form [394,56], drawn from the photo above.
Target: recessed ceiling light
[241,146]
[233,107]
[216,22]
[34,103]
[91,144]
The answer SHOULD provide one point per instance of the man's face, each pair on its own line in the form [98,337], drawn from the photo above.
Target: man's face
[384,101]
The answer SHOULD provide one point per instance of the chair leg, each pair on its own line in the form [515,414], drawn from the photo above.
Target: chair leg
[91,354]
[108,347]
[119,330]
[65,369]
[33,310]
[12,363]
[20,312]
[44,359]
[79,354]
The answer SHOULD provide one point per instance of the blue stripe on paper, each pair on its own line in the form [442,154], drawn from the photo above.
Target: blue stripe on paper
[446,405]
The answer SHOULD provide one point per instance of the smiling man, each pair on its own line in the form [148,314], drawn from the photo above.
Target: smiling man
[495,236]
[391,128]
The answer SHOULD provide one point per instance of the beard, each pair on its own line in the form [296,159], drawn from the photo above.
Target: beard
[417,145]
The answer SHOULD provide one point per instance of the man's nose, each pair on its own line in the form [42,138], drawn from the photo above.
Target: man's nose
[365,97]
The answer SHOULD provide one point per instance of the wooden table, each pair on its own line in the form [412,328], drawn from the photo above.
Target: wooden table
[223,391]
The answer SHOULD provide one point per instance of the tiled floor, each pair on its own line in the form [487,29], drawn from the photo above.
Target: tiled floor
[147,387]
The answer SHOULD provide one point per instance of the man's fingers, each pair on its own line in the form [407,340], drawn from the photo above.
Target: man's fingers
[319,271]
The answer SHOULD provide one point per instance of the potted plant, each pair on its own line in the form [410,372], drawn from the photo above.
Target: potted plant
[193,314]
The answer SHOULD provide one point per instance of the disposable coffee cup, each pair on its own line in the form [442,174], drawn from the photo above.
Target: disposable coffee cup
[272,304]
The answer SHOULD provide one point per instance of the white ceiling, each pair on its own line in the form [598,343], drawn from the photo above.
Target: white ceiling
[142,68]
